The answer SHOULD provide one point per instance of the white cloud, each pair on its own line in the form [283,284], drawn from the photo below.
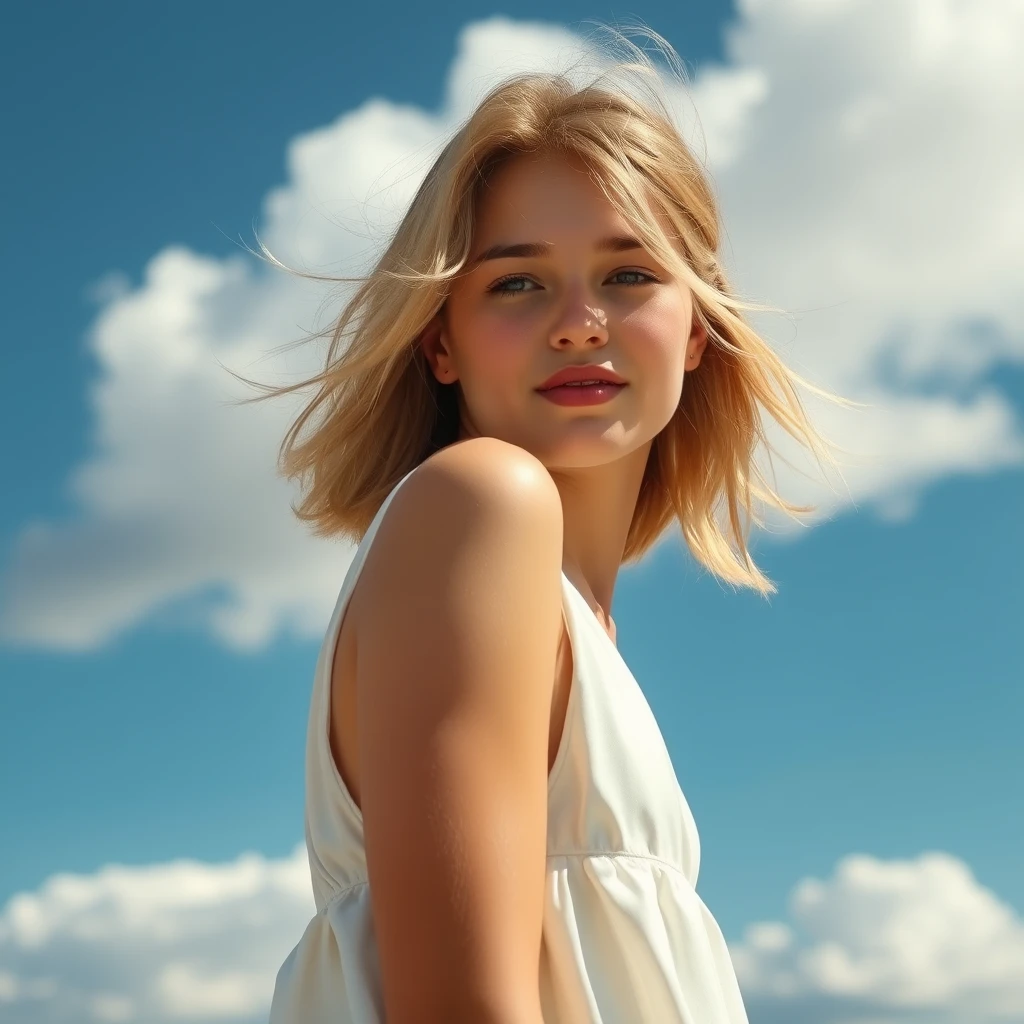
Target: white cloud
[887,941]
[182,941]
[881,942]
[865,154]
[876,196]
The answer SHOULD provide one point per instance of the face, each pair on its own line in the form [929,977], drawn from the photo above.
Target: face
[511,321]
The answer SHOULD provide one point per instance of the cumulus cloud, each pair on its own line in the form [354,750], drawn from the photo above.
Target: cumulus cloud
[875,197]
[887,942]
[182,941]
[864,153]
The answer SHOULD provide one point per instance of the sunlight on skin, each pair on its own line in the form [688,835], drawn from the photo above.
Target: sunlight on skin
[560,298]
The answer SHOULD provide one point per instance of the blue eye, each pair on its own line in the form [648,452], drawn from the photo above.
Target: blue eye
[498,287]
[645,278]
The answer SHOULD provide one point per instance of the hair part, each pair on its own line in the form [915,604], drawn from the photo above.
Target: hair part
[377,411]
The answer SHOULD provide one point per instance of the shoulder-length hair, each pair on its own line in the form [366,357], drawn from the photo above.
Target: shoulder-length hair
[377,411]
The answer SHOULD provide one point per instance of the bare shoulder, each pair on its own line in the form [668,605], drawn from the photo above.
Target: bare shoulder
[482,467]
[468,501]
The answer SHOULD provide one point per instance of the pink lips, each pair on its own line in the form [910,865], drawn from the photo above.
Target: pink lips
[582,394]
[583,372]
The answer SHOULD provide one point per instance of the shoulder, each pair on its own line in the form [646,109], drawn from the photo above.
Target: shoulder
[481,506]
[490,463]
[483,477]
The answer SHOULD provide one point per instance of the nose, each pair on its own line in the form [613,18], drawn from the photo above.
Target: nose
[580,322]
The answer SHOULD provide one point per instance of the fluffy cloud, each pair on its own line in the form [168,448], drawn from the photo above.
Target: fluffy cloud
[182,941]
[873,193]
[864,153]
[887,942]
[881,942]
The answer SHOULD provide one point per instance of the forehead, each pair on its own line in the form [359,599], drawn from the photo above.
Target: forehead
[538,197]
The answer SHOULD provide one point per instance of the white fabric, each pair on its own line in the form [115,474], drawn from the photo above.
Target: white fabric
[626,938]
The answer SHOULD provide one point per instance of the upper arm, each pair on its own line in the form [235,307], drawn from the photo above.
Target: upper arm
[457,643]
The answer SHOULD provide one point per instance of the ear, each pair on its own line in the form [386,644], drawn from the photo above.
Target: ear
[432,344]
[695,345]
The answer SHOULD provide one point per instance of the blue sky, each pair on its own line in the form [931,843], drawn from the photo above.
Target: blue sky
[161,614]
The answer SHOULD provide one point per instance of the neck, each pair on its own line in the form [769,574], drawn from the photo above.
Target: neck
[598,503]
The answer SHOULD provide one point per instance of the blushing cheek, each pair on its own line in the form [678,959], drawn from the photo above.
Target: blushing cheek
[661,330]
[658,347]
[504,348]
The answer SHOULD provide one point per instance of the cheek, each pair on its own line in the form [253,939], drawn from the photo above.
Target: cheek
[499,343]
[657,338]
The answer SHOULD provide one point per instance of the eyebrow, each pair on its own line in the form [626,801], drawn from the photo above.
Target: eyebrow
[616,243]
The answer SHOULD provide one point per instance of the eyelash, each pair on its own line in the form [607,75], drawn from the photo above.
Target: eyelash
[497,289]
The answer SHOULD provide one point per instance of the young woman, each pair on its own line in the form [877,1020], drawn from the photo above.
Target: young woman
[495,831]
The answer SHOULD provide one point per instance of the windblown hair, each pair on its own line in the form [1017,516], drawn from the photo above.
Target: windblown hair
[378,411]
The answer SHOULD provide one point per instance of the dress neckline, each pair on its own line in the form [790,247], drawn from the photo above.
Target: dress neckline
[590,611]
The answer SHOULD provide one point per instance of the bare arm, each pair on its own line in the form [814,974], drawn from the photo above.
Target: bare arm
[456,663]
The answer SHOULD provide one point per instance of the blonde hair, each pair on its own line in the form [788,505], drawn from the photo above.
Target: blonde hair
[378,411]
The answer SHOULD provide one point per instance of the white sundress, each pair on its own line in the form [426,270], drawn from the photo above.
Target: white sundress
[626,938]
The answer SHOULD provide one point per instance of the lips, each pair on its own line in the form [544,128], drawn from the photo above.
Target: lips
[580,375]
